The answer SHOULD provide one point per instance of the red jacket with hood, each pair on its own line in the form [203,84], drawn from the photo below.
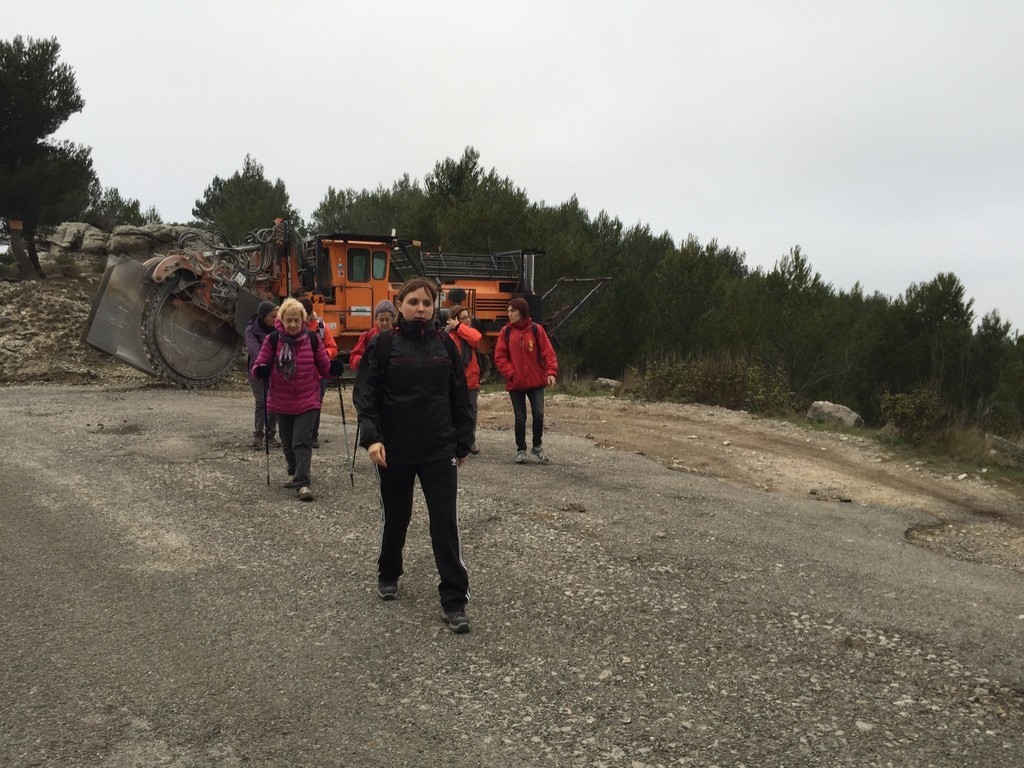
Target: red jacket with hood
[526,359]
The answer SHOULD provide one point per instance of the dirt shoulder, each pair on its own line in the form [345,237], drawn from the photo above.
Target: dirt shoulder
[975,518]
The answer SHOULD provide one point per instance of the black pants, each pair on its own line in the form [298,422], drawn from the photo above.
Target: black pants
[257,385]
[297,442]
[474,407]
[316,424]
[536,397]
[439,481]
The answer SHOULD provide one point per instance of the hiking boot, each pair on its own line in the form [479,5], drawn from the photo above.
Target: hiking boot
[474,448]
[457,621]
[388,590]
[274,442]
[315,443]
[305,494]
[291,482]
[257,440]
[542,457]
[520,457]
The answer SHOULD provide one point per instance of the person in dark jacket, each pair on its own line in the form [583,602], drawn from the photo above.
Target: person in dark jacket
[259,326]
[525,358]
[415,422]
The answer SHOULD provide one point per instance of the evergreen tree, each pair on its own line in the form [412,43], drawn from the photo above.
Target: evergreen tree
[109,210]
[334,214]
[243,202]
[42,182]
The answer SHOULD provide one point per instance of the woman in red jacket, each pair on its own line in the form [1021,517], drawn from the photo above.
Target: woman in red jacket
[525,357]
[467,339]
[383,317]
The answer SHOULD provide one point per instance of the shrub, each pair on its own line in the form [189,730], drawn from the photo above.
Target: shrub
[66,265]
[729,382]
[913,415]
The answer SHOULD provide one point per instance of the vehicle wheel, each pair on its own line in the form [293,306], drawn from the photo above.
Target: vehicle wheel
[186,344]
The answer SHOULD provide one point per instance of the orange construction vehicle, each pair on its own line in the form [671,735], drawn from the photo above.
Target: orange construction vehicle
[183,315]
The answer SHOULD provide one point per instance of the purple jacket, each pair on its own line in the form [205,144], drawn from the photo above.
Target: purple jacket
[301,391]
[255,333]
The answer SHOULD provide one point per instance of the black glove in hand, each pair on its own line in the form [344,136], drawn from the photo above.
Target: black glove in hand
[337,366]
[263,372]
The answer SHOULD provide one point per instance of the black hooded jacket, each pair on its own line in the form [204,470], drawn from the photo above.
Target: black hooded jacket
[418,404]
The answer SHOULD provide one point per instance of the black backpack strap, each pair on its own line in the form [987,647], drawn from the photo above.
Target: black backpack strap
[449,345]
[314,342]
[536,341]
[383,351]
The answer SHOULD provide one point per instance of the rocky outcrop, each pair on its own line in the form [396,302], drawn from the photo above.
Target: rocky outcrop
[78,238]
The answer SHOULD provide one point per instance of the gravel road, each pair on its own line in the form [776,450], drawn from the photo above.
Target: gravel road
[162,606]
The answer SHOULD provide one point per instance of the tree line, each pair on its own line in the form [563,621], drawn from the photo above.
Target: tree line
[687,320]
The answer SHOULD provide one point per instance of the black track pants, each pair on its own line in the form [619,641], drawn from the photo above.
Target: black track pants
[439,481]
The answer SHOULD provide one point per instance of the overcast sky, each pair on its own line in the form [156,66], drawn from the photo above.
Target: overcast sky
[886,139]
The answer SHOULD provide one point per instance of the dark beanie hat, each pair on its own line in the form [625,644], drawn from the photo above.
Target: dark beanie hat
[264,308]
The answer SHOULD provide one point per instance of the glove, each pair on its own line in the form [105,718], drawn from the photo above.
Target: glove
[337,366]
[345,355]
[262,371]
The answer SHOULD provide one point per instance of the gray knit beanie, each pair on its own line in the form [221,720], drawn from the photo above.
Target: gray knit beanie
[383,306]
[264,308]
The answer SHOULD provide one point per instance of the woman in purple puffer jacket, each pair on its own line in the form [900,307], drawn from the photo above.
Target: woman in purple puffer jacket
[292,363]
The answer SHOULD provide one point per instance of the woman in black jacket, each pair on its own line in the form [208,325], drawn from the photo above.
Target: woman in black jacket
[415,421]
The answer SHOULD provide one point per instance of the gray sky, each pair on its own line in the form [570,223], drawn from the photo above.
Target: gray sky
[886,139]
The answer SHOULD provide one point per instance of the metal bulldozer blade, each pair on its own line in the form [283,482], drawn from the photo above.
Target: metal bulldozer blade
[115,322]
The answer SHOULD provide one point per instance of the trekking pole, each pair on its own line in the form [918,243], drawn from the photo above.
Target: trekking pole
[344,433]
[355,449]
[266,429]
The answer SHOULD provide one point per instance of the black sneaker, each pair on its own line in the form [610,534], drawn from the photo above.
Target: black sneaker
[388,590]
[456,621]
